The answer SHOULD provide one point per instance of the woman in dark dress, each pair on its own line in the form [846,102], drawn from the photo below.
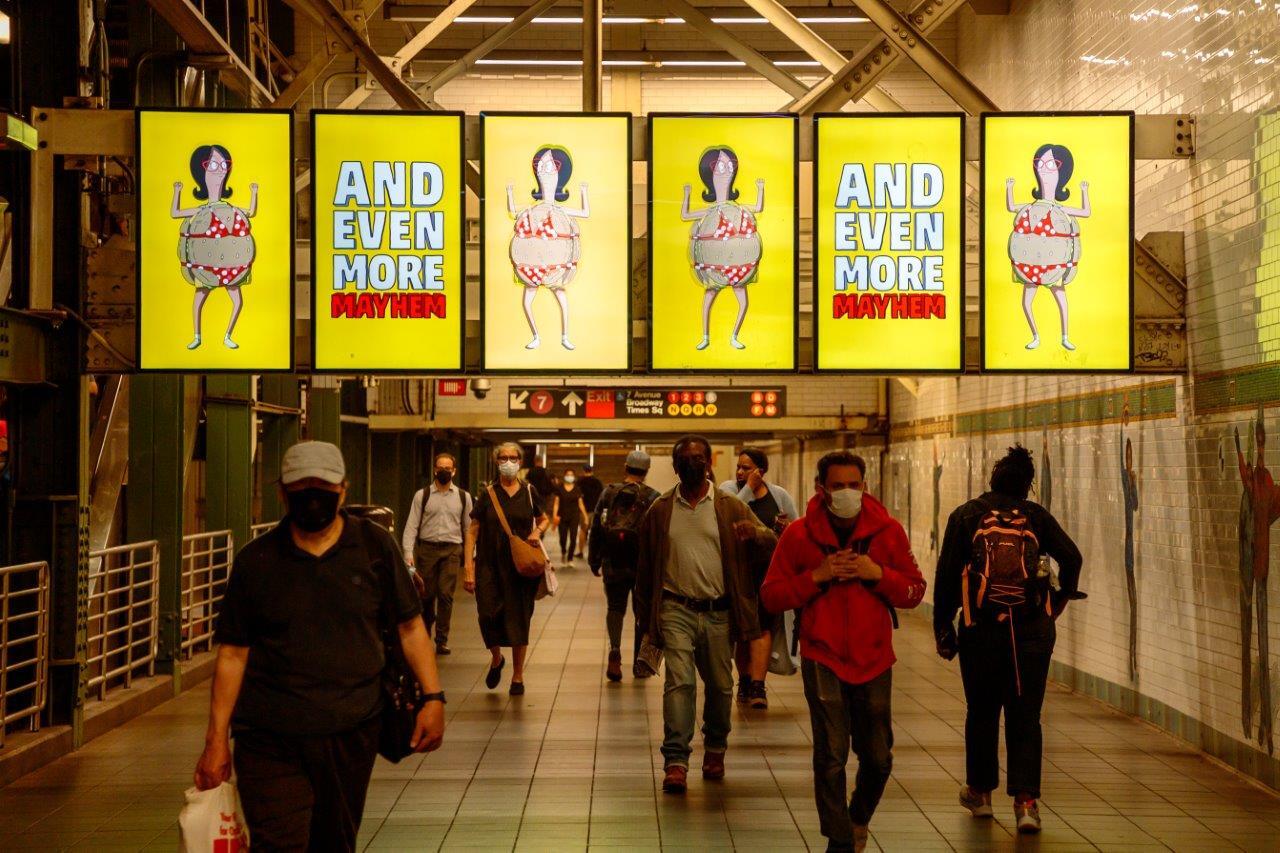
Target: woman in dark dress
[504,597]
[567,512]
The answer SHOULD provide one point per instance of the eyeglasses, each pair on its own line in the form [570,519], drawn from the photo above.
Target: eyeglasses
[508,458]
[723,167]
[1051,165]
[216,165]
[548,165]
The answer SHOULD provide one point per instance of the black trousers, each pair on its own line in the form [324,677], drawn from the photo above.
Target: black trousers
[844,714]
[616,593]
[304,793]
[991,685]
[568,537]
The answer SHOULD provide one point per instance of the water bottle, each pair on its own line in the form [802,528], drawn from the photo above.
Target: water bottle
[1045,571]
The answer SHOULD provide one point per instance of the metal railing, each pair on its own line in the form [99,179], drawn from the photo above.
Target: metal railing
[124,615]
[206,565]
[257,530]
[24,644]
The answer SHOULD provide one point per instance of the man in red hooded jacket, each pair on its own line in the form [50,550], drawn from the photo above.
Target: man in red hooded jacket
[847,564]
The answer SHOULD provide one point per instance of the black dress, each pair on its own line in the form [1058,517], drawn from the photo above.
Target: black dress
[504,597]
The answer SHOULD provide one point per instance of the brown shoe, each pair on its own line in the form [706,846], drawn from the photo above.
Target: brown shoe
[676,780]
[614,671]
[713,765]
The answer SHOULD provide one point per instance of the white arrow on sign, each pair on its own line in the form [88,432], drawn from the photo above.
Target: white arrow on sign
[571,402]
[515,402]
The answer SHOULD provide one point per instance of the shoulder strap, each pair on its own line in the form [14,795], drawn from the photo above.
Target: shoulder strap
[422,508]
[463,499]
[497,507]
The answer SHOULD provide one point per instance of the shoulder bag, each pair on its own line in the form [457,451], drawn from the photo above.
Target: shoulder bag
[530,560]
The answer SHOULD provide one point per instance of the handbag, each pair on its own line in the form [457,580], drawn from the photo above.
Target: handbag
[401,692]
[530,560]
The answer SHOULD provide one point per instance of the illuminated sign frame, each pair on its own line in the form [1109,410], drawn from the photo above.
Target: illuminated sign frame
[461,248]
[630,225]
[963,266]
[982,260]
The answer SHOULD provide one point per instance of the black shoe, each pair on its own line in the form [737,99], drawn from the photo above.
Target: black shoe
[757,696]
[494,675]
[443,649]
[744,691]
[517,688]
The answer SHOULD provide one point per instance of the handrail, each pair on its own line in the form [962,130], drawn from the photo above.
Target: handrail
[24,644]
[124,614]
[206,566]
[257,530]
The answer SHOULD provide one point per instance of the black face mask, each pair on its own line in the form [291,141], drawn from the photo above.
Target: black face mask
[443,477]
[692,474]
[312,510]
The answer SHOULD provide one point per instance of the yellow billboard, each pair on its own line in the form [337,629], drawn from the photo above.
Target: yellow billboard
[888,224]
[215,240]
[1056,253]
[555,232]
[722,242]
[387,244]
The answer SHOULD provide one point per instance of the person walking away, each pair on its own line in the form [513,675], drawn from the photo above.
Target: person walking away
[775,508]
[568,512]
[432,543]
[695,596]
[297,680]
[613,545]
[591,487]
[1007,631]
[848,564]
[504,597]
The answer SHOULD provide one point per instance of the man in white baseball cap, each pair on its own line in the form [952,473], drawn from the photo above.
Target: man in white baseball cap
[300,657]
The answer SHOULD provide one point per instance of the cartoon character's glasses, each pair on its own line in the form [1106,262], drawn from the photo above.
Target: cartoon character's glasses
[723,167]
[549,165]
[216,165]
[1051,165]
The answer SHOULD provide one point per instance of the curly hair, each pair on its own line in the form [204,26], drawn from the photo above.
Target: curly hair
[1012,476]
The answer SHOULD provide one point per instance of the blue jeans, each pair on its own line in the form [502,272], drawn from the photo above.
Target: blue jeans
[696,644]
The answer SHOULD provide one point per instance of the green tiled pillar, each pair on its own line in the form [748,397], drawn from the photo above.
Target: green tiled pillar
[280,430]
[324,415]
[156,471]
[228,451]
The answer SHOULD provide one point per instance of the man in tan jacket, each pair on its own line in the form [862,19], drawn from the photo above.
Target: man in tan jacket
[695,597]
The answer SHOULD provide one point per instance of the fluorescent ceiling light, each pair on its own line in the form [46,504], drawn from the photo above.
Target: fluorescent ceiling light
[401,13]
[704,63]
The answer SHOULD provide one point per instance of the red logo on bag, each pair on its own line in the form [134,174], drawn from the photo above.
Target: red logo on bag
[233,835]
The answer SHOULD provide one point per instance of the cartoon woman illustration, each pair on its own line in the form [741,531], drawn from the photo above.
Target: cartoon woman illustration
[724,244]
[214,246]
[1044,247]
[1129,487]
[545,247]
[934,541]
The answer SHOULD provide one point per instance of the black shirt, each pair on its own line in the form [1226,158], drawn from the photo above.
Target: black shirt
[312,625]
[591,488]
[569,509]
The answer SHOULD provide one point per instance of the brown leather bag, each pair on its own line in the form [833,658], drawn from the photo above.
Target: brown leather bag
[530,560]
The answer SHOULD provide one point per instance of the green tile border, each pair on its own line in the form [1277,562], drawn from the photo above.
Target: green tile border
[1147,401]
[1243,757]
[1243,388]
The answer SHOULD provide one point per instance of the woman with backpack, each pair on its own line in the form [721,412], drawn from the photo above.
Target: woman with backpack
[989,569]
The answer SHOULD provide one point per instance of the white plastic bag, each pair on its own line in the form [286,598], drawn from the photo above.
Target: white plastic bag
[212,821]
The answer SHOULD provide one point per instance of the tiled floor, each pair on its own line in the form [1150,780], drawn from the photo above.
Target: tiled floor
[573,764]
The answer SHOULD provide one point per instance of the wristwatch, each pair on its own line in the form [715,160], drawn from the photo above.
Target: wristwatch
[433,697]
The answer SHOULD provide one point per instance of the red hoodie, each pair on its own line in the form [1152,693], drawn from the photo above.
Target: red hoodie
[846,627]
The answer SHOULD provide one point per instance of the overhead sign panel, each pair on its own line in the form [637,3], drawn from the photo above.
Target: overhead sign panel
[215,240]
[723,234]
[388,248]
[1057,242]
[555,225]
[889,243]
[633,403]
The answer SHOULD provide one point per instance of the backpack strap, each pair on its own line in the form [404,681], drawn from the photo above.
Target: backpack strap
[378,562]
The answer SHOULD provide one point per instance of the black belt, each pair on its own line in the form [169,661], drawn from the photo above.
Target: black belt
[698,605]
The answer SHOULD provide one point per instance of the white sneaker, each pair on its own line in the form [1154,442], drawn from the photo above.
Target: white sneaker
[230,344]
[534,344]
[979,805]
[564,342]
[195,343]
[735,343]
[1028,817]
[706,342]
[1035,343]
[1067,345]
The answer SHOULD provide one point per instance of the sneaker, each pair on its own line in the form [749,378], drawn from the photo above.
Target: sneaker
[744,691]
[757,696]
[443,649]
[978,804]
[676,780]
[614,670]
[860,834]
[713,765]
[638,671]
[1028,816]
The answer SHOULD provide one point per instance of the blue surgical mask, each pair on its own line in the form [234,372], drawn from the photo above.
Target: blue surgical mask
[846,503]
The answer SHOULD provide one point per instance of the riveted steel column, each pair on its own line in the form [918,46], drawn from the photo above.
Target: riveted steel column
[157,468]
[228,454]
[592,56]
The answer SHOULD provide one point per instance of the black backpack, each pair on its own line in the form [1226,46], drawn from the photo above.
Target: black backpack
[620,523]
[1001,575]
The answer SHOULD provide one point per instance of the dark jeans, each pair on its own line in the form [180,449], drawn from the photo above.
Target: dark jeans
[844,714]
[616,593]
[987,656]
[438,563]
[304,793]
[568,537]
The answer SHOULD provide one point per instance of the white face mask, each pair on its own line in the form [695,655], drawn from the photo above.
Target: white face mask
[509,469]
[846,503]
[569,478]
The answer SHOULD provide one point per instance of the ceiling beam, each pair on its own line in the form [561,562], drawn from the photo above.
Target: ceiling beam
[739,50]
[592,55]
[480,51]
[203,40]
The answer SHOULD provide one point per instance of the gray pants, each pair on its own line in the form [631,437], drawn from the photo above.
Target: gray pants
[438,563]
[842,714]
[696,644]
